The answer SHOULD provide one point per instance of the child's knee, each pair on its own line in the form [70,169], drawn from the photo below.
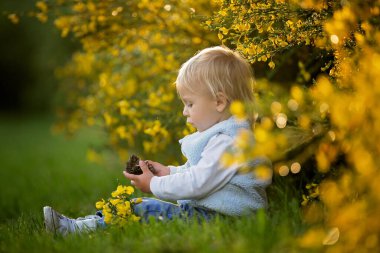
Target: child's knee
[151,207]
[146,205]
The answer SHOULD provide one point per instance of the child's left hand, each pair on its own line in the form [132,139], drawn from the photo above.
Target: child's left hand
[142,181]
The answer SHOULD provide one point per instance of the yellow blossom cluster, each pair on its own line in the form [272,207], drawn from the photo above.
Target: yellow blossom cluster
[42,14]
[119,208]
[262,30]
[335,121]
[352,201]
[313,193]
[14,18]
[122,78]
[285,127]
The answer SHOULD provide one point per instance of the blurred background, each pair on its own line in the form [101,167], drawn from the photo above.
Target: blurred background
[30,52]
[38,167]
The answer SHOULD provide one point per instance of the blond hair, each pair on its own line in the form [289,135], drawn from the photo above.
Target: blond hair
[219,69]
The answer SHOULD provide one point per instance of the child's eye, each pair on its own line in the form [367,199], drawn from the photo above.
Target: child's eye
[187,104]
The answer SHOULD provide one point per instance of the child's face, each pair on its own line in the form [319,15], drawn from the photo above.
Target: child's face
[200,108]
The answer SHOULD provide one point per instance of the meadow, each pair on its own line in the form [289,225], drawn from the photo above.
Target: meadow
[39,168]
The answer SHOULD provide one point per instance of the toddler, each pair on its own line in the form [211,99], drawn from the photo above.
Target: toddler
[207,84]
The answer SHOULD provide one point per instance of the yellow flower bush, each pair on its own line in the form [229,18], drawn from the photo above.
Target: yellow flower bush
[329,116]
[118,209]
[121,80]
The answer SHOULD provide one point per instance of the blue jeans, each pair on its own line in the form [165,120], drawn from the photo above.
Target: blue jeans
[162,210]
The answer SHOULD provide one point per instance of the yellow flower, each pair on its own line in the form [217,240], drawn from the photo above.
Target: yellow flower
[237,109]
[261,134]
[223,13]
[305,200]
[136,200]
[314,193]
[107,213]
[122,190]
[263,172]
[122,132]
[243,139]
[118,210]
[114,194]
[224,30]
[79,7]
[93,156]
[108,119]
[322,161]
[42,6]
[227,159]
[100,204]
[115,201]
[124,107]
[121,209]
[135,218]
[119,191]
[107,217]
[129,190]
[297,93]
[312,238]
[42,17]
[14,18]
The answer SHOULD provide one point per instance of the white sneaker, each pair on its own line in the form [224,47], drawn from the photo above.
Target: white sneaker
[59,224]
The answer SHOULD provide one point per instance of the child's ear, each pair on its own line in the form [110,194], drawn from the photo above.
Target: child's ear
[221,101]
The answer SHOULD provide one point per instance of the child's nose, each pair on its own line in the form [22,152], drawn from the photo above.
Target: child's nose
[185,112]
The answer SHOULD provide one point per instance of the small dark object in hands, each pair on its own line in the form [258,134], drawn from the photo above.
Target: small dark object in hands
[134,168]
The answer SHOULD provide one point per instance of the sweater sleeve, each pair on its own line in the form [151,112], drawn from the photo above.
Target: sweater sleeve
[199,180]
[178,169]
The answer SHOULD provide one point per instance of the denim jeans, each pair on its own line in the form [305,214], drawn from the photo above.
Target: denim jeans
[162,210]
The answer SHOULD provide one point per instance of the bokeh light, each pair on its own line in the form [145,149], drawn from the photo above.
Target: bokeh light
[295,168]
[334,39]
[283,170]
[281,120]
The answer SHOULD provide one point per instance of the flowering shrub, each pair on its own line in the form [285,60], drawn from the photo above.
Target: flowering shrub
[119,208]
[334,123]
[121,80]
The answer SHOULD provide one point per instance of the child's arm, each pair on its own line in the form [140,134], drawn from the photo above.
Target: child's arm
[161,170]
[179,169]
[200,180]
[142,181]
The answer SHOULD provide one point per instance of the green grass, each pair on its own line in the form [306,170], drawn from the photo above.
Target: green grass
[40,169]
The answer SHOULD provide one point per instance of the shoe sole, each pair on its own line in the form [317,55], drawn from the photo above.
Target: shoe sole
[51,220]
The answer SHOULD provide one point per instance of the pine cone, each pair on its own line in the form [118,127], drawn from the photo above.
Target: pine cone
[133,165]
[134,168]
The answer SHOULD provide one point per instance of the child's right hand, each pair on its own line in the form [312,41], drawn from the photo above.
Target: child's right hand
[161,170]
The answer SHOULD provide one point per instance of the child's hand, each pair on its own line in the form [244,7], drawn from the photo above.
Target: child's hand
[161,170]
[142,181]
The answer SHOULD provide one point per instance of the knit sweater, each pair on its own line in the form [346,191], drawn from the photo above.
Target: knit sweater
[243,193]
